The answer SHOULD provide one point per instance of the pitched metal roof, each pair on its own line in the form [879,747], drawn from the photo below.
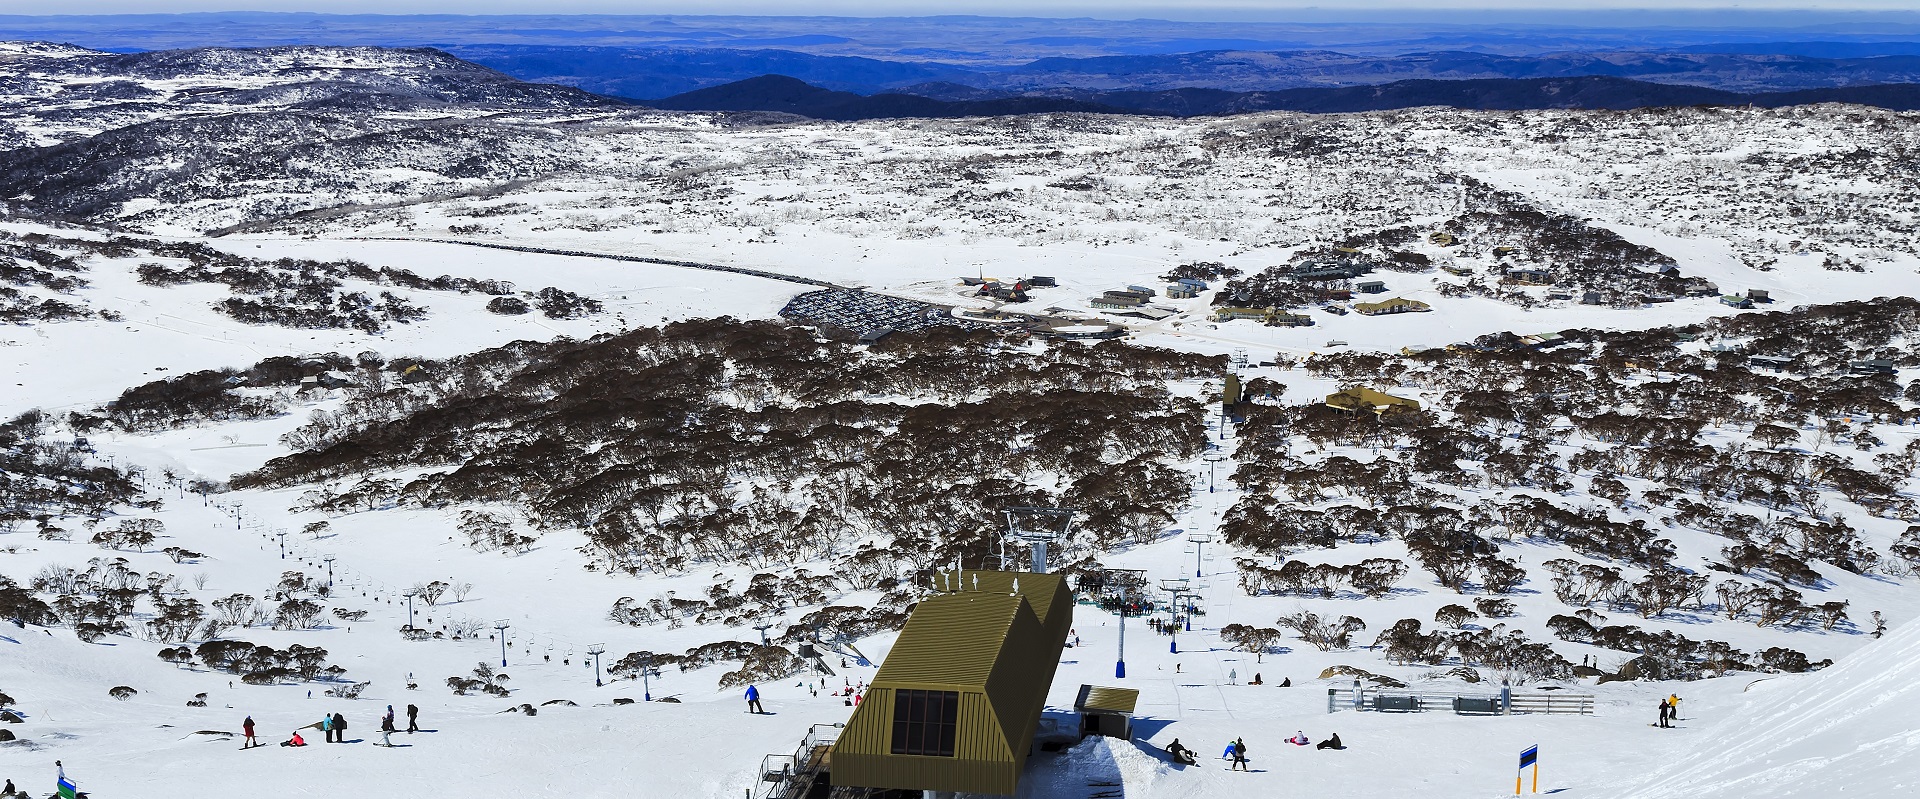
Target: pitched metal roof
[1099,698]
[951,639]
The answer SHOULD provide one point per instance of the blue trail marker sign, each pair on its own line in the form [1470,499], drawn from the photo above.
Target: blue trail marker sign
[1530,757]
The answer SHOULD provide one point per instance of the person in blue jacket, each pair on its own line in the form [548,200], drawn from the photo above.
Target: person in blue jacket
[753,700]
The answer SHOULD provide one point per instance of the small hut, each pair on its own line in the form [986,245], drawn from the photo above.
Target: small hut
[1106,711]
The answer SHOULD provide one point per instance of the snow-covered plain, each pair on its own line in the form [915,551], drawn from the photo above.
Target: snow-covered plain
[1748,199]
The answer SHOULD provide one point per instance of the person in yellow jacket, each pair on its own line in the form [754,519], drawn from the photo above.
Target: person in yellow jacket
[1673,702]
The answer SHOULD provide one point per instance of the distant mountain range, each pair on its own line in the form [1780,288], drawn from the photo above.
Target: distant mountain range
[785,94]
[650,73]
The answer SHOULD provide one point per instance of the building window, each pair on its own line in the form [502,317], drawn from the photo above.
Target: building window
[924,722]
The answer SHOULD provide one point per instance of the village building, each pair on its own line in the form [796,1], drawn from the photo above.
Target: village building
[1392,306]
[1361,398]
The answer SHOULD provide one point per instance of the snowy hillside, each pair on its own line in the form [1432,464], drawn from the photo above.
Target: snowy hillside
[264,393]
[1845,730]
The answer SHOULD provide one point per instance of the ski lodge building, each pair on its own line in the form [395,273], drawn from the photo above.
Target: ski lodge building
[956,703]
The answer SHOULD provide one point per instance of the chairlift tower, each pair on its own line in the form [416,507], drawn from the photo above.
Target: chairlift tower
[1175,587]
[502,626]
[1199,540]
[596,650]
[1213,460]
[409,594]
[1038,527]
[1122,585]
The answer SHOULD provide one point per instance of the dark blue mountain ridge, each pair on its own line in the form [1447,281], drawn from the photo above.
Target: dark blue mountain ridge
[1594,92]
[646,73]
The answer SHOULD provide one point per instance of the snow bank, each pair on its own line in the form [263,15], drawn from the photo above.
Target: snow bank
[1096,765]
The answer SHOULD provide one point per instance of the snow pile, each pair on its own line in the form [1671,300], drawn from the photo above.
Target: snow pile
[1845,731]
[1096,765]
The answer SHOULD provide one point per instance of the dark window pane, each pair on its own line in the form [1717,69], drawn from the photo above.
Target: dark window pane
[925,722]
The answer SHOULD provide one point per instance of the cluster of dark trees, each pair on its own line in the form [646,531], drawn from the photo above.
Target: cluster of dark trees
[1593,412]
[1669,655]
[215,395]
[1494,647]
[761,443]
[1579,256]
[553,303]
[30,261]
[484,680]
[46,479]
[759,663]
[309,294]
[258,664]
[767,595]
[1374,577]
[1207,271]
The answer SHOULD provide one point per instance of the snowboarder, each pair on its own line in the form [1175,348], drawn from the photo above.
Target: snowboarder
[753,700]
[296,740]
[339,728]
[386,727]
[247,727]
[1181,754]
[1239,755]
[1673,703]
[1233,676]
[1331,743]
[1286,682]
[1666,711]
[413,719]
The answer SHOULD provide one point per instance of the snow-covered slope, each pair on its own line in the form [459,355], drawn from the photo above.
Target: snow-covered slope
[1846,731]
[1644,438]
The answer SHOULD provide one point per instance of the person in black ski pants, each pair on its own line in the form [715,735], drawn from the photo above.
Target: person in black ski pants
[1239,755]
[1665,712]
[413,719]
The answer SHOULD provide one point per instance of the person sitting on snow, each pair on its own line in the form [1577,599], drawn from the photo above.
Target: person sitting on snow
[1300,739]
[1181,754]
[296,740]
[1331,743]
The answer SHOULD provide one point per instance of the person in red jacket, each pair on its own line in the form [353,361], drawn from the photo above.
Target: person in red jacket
[248,727]
[296,740]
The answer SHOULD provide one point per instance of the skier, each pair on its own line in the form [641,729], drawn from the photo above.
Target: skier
[1331,743]
[247,726]
[1673,702]
[413,719]
[753,700]
[1233,676]
[1665,712]
[340,728]
[1181,754]
[1239,755]
[386,728]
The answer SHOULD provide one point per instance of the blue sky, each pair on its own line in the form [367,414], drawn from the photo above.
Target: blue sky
[1615,11]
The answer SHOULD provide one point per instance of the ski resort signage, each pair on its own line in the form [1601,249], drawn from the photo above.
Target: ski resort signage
[1529,757]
